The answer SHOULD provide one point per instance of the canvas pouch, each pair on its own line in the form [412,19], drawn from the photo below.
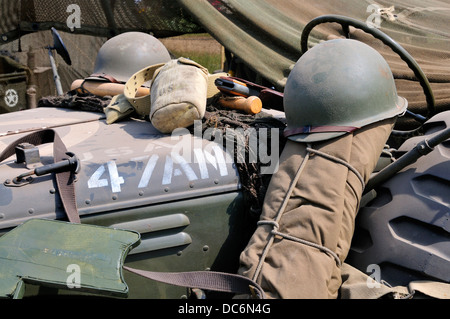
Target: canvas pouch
[178,95]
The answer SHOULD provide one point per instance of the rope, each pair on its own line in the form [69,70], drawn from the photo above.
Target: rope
[280,212]
[338,160]
[275,223]
[302,241]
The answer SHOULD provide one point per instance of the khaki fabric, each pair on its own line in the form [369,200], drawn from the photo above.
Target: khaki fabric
[358,285]
[315,222]
[178,95]
[119,108]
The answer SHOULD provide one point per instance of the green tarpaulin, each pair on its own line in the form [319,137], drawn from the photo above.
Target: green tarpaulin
[265,34]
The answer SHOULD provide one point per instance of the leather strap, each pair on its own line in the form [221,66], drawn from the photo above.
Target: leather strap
[141,104]
[64,180]
[105,76]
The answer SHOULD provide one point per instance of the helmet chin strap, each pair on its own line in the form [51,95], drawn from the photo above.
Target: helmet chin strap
[106,77]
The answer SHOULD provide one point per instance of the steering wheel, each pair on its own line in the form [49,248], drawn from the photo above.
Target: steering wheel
[345,22]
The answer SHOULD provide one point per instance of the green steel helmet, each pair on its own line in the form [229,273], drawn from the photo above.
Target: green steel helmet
[337,87]
[125,54]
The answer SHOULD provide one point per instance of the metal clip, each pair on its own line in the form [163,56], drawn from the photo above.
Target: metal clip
[18,182]
[72,164]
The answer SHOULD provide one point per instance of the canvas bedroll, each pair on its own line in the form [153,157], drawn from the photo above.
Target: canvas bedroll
[307,222]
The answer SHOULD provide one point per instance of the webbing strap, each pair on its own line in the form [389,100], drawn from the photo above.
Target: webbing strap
[64,180]
[208,280]
[141,104]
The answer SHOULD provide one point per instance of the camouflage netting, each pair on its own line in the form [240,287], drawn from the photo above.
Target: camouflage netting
[253,182]
[25,32]
[77,101]
[97,17]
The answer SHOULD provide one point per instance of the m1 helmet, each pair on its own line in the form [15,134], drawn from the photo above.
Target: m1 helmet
[125,54]
[337,87]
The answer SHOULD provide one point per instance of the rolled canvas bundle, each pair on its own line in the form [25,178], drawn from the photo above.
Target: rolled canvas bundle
[305,230]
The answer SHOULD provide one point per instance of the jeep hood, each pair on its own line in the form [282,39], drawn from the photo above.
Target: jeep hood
[126,164]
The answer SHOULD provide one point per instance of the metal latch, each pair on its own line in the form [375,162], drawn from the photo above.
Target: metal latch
[72,164]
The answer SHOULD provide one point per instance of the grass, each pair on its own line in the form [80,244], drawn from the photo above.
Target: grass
[210,61]
[201,48]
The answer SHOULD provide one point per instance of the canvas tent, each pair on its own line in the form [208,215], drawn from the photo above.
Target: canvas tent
[262,35]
